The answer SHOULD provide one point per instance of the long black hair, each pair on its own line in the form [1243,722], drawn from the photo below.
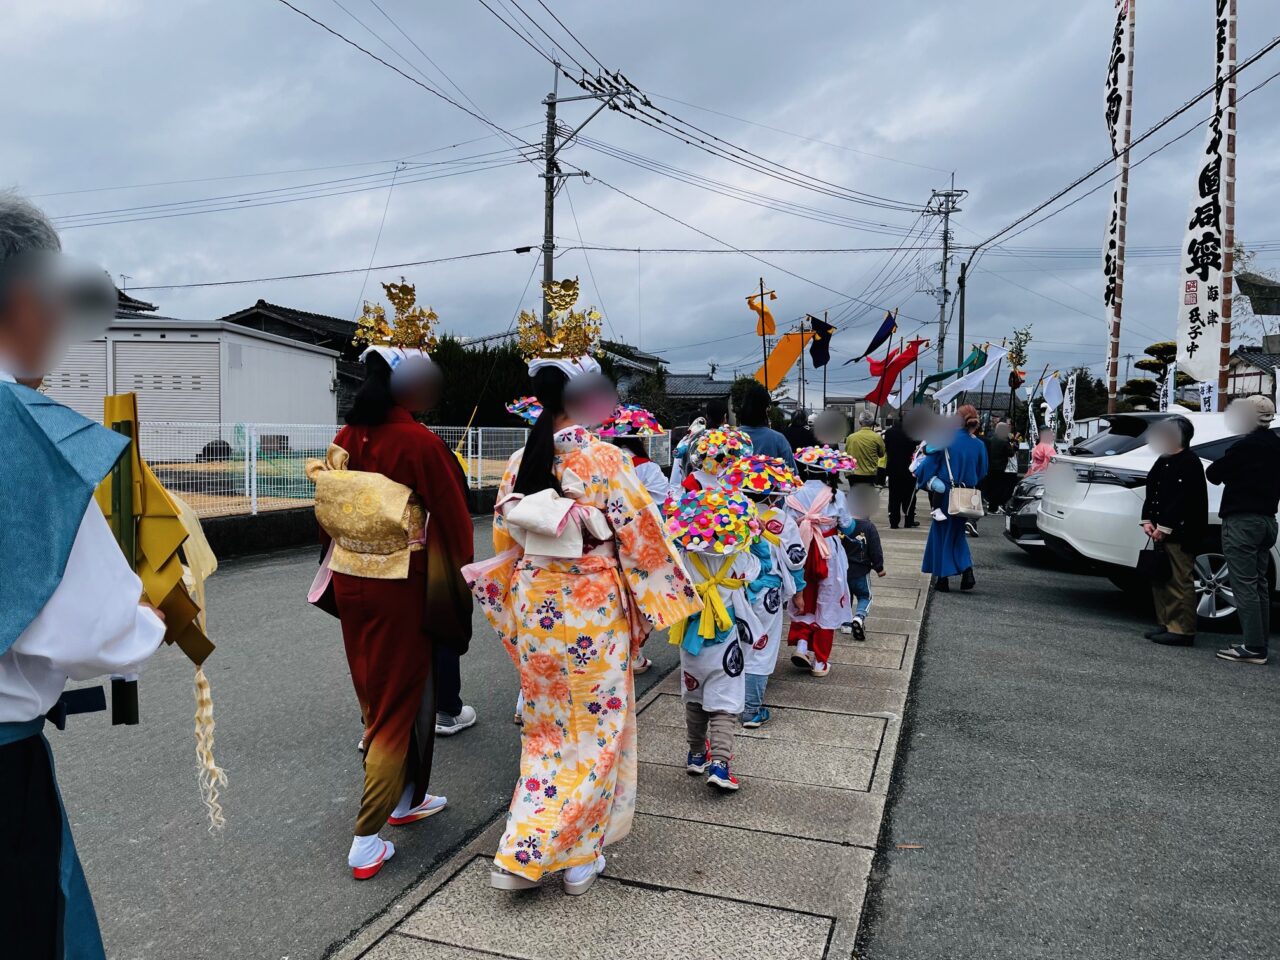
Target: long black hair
[535,471]
[374,398]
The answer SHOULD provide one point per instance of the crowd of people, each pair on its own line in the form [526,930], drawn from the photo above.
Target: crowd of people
[597,548]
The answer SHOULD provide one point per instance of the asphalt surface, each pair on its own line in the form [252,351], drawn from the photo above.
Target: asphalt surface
[274,883]
[1068,789]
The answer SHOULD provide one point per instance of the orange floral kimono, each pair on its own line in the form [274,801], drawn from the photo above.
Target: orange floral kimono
[572,625]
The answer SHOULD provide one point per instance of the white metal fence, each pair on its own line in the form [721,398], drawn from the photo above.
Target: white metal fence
[227,469]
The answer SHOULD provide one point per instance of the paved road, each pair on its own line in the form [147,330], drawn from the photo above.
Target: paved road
[1076,791]
[274,883]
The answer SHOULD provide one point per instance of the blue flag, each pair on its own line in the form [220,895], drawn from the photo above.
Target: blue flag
[887,328]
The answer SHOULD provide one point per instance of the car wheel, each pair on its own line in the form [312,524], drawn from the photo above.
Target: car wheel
[1215,600]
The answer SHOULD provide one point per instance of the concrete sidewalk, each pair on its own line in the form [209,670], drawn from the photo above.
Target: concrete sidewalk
[778,869]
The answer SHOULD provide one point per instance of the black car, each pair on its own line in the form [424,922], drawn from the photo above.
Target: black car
[1123,432]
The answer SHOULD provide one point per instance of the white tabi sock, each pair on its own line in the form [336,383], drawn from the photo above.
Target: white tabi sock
[365,850]
[802,647]
[406,802]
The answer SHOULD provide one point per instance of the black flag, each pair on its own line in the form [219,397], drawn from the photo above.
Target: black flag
[820,347]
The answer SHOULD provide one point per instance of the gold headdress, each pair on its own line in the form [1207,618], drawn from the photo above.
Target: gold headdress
[411,329]
[574,333]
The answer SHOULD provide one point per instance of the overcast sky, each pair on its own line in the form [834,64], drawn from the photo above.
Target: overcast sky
[106,98]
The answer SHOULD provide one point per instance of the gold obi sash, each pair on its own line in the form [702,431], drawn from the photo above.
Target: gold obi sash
[375,522]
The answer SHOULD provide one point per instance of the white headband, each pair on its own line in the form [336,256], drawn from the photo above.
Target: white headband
[571,367]
[394,355]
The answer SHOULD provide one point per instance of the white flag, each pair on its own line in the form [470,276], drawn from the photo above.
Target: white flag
[1052,388]
[1118,110]
[1169,389]
[1202,295]
[1069,402]
[1208,396]
[1033,431]
[971,381]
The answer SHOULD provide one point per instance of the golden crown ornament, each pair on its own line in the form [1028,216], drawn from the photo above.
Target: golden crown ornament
[411,329]
[574,333]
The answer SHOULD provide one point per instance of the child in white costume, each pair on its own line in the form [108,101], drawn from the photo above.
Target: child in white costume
[821,515]
[767,480]
[715,530]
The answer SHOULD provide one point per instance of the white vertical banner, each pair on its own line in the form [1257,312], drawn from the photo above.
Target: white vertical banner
[1169,388]
[1033,431]
[1118,110]
[1202,293]
[1069,401]
[1208,396]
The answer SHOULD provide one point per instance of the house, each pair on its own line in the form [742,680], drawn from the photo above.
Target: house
[1252,369]
[318,329]
[632,365]
[197,372]
[688,393]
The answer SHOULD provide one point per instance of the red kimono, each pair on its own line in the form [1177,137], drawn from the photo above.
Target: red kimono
[390,626]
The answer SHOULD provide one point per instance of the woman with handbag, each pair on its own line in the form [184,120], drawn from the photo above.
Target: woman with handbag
[1175,516]
[953,472]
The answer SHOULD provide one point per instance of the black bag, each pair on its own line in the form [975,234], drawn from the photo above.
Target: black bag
[1153,562]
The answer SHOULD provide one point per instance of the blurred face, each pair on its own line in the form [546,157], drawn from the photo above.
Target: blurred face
[1002,431]
[1241,417]
[1164,439]
[47,303]
[1046,436]
[590,399]
[831,427]
[416,384]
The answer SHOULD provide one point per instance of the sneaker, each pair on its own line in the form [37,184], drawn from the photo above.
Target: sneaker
[641,664]
[1168,639]
[820,668]
[859,631]
[971,528]
[1158,628]
[911,523]
[1242,654]
[937,513]
[846,628]
[760,718]
[718,775]
[801,658]
[696,763]
[578,880]
[447,725]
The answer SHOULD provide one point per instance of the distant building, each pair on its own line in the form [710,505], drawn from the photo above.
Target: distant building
[688,393]
[198,371]
[1252,369]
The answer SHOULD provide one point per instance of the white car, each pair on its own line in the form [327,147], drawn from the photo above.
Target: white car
[1092,506]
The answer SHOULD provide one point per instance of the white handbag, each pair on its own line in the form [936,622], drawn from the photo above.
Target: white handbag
[965,502]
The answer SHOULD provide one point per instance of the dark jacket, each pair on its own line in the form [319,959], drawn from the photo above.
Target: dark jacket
[898,447]
[999,453]
[800,436]
[1250,470]
[1178,499]
[863,550]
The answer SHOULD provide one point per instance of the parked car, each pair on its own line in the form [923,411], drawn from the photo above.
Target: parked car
[1091,510]
[1120,433]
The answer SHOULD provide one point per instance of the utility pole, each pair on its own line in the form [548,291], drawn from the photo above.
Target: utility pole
[554,178]
[964,269]
[943,203]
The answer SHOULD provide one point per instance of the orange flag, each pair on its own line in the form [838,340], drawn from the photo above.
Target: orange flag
[765,327]
[783,357]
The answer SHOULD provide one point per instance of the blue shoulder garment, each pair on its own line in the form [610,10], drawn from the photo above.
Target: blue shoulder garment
[51,462]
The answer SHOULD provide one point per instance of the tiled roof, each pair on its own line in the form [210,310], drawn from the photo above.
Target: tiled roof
[1257,357]
[303,318]
[696,385]
[1263,293]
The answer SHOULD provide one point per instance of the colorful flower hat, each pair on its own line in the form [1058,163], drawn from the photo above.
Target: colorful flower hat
[762,475]
[712,521]
[714,450]
[630,420]
[527,409]
[826,459]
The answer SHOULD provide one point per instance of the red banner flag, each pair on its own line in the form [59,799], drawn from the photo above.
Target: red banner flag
[889,375]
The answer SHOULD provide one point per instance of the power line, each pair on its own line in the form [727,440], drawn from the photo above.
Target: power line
[334,273]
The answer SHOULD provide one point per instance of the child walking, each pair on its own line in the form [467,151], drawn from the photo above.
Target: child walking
[823,605]
[862,548]
[766,480]
[715,530]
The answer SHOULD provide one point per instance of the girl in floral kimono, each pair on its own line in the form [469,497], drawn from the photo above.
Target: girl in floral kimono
[823,605]
[582,574]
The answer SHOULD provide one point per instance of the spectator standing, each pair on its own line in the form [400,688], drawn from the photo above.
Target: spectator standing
[753,419]
[899,448]
[799,434]
[1250,476]
[1175,515]
[866,447]
[1002,455]
[961,462]
[1043,451]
